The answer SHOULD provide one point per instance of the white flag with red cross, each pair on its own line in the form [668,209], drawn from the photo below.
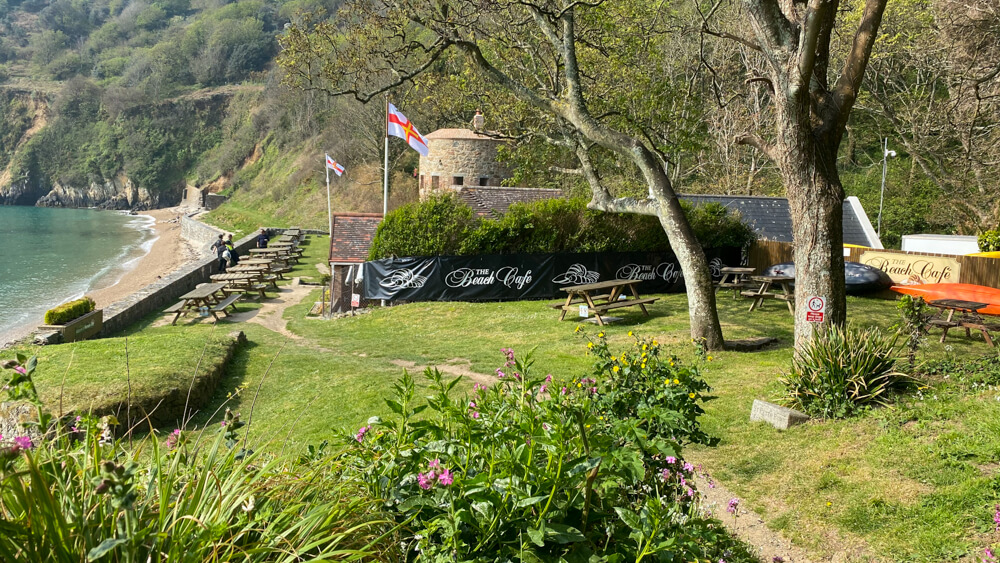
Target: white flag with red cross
[332,164]
[398,125]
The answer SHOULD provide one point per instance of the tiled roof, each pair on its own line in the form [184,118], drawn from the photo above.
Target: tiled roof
[459,134]
[352,236]
[489,200]
[771,218]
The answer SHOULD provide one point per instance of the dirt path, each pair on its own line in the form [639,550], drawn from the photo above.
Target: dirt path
[454,366]
[272,311]
[747,525]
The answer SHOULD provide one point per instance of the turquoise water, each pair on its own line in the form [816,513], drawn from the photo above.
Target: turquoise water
[49,256]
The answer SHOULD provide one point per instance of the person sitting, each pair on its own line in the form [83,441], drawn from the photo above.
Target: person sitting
[478,121]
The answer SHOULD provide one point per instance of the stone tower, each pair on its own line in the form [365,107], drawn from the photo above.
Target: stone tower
[458,158]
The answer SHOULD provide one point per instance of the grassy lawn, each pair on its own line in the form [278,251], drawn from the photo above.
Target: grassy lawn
[915,482]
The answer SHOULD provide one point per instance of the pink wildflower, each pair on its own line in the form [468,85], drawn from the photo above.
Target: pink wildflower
[23,442]
[671,459]
[434,464]
[666,474]
[734,504]
[688,492]
[543,388]
[475,414]
[563,391]
[361,433]
[21,370]
[996,517]
[472,404]
[445,478]
[688,467]
[424,481]
[173,438]
[548,378]
[500,373]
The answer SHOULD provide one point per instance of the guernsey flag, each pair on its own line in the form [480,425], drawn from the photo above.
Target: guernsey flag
[399,126]
[334,165]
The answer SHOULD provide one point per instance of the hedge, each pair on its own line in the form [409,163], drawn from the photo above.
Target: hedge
[68,311]
[445,225]
[989,241]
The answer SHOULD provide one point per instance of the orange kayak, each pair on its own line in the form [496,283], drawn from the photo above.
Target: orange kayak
[963,291]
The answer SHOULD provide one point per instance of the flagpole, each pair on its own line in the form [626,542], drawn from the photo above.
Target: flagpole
[329,208]
[385,182]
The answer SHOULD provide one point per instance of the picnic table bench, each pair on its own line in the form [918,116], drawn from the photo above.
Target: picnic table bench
[245,282]
[968,318]
[601,297]
[210,296]
[735,278]
[761,293]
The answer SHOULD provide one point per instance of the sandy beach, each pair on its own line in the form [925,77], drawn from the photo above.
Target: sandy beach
[168,253]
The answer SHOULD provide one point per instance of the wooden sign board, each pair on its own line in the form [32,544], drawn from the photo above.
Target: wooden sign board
[910,269]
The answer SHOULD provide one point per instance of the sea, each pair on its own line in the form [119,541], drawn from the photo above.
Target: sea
[49,256]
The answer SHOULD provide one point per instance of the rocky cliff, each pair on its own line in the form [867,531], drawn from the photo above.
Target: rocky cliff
[117,193]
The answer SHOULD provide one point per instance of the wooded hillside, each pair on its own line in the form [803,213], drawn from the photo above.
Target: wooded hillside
[122,103]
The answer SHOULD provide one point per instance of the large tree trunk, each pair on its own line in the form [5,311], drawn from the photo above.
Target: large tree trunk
[815,197]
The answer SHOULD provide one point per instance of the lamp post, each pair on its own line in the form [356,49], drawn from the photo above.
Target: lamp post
[886,155]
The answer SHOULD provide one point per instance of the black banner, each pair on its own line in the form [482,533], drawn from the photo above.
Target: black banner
[512,277]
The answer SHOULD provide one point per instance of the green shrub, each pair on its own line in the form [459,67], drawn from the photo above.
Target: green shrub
[68,311]
[989,241]
[528,469]
[842,372]
[441,226]
[432,227]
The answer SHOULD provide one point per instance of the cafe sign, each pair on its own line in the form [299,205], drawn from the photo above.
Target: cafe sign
[911,269]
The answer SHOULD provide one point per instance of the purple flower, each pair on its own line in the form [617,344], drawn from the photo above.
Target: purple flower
[500,373]
[472,404]
[222,423]
[563,391]
[543,388]
[434,464]
[996,517]
[361,433]
[671,459]
[173,438]
[688,467]
[593,390]
[548,378]
[475,414]
[23,442]
[478,387]
[425,481]
[666,474]
[517,376]
[734,504]
[445,478]
[688,492]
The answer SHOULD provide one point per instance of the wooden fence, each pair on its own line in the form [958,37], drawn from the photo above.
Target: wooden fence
[976,270]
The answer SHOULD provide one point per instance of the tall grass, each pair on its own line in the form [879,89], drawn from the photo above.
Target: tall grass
[69,502]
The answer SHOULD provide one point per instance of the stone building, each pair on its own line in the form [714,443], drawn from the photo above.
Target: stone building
[460,157]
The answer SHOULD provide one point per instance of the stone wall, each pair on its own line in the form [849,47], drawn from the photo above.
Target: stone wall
[214,200]
[200,235]
[472,160]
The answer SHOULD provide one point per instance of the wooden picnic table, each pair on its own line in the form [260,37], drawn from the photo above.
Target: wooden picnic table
[761,293]
[968,318]
[266,267]
[246,282]
[209,295]
[601,297]
[735,278]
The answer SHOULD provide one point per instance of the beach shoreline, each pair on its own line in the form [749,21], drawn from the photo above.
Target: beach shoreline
[168,252]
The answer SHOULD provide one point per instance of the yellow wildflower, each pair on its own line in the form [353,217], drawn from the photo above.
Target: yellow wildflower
[677,382]
[645,347]
[691,395]
[655,343]
[600,335]
[590,345]
[643,365]
[578,328]
[630,333]
[579,384]
[615,369]
[709,358]
[829,504]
